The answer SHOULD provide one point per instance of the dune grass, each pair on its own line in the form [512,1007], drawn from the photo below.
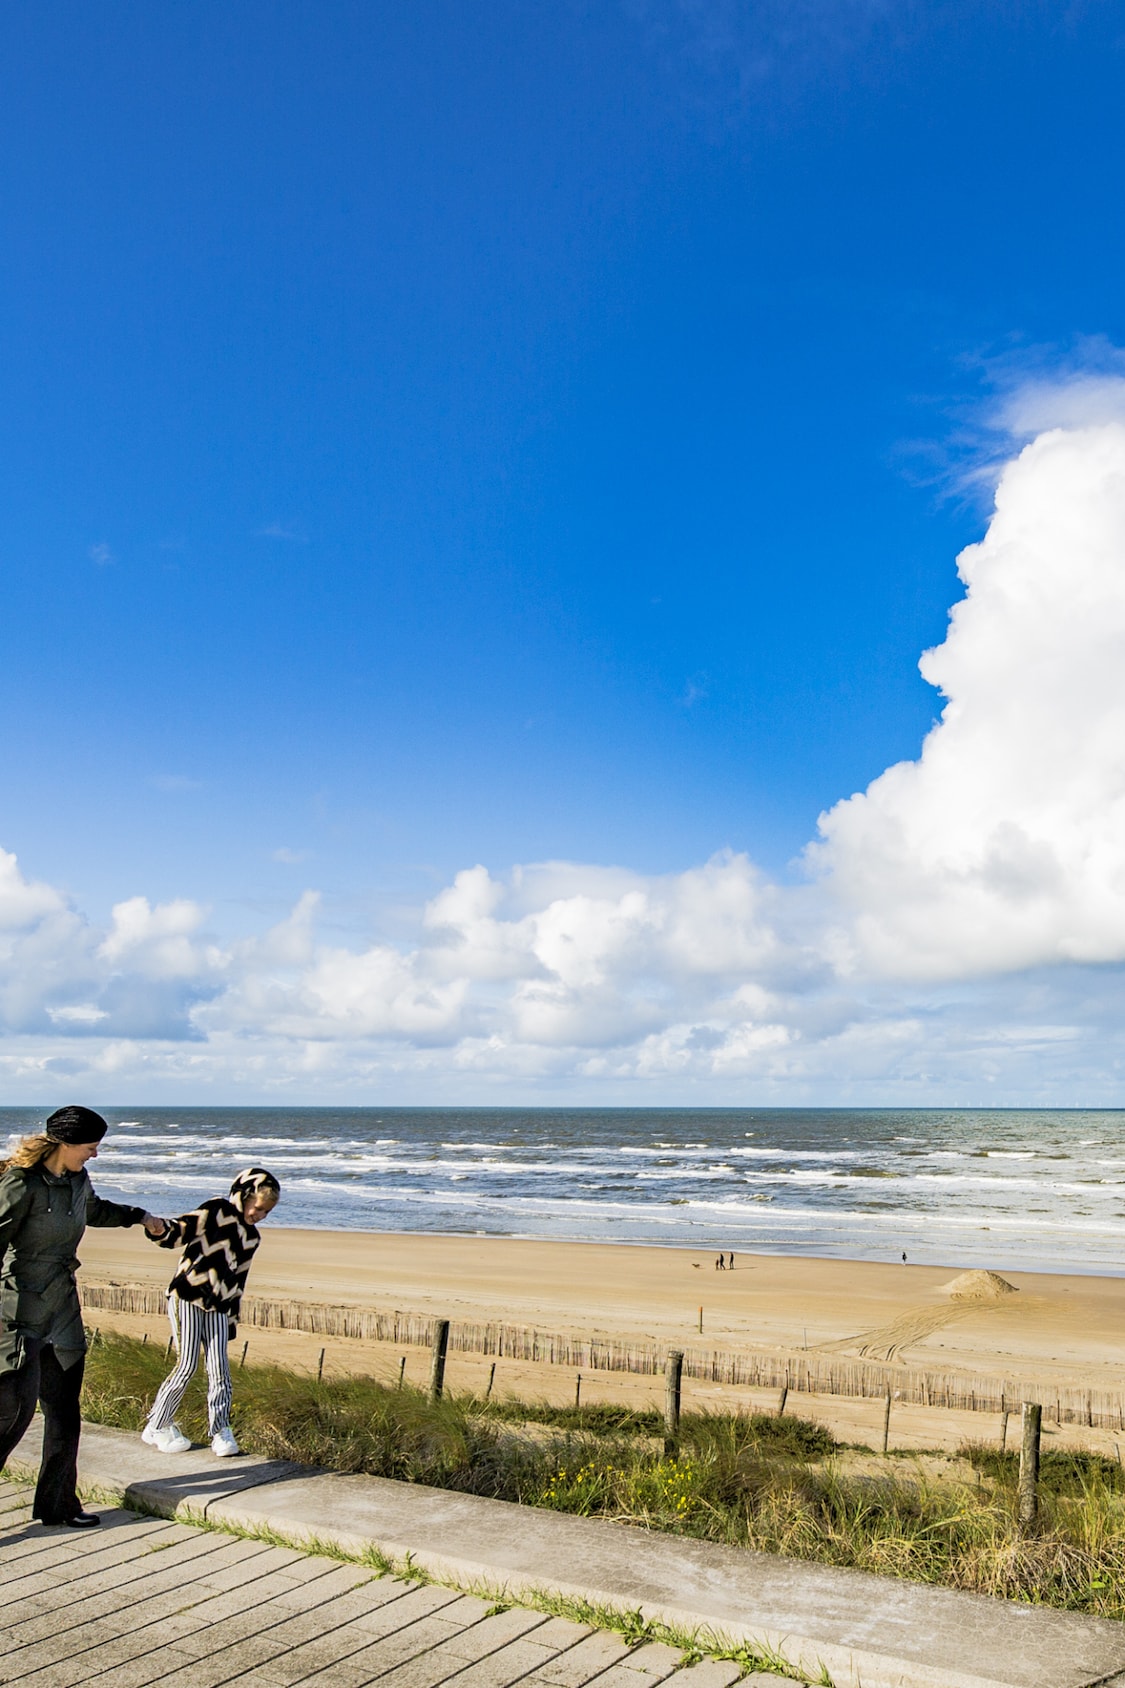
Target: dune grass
[779,1485]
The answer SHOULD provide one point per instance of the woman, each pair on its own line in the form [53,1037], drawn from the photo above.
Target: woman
[46,1202]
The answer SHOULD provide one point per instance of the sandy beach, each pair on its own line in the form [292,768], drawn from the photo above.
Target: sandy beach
[1063,1330]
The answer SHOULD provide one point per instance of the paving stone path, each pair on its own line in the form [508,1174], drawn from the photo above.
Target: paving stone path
[143,1600]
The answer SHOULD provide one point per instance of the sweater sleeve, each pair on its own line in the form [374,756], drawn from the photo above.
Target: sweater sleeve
[179,1231]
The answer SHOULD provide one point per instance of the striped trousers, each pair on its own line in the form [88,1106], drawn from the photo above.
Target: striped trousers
[195,1327]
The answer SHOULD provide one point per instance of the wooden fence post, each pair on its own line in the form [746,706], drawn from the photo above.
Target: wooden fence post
[784,1398]
[320,1366]
[578,1391]
[673,1377]
[1029,1464]
[401,1370]
[437,1363]
[887,1421]
[1004,1433]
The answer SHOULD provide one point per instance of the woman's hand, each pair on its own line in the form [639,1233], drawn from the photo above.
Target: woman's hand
[154,1225]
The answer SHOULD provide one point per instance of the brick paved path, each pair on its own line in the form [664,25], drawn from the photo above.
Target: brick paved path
[144,1601]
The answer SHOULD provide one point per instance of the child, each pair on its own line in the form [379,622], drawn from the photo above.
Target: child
[218,1241]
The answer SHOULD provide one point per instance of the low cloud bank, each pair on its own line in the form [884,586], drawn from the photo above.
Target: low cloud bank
[962,922]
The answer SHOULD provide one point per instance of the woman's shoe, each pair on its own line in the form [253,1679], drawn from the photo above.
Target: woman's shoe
[170,1440]
[224,1444]
[83,1521]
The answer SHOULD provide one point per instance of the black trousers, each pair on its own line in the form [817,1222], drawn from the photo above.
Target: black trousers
[57,1389]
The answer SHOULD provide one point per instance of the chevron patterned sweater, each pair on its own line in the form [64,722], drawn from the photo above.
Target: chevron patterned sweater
[217,1246]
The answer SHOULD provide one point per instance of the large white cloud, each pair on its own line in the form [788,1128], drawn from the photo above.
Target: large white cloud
[24,905]
[1003,846]
[57,971]
[559,956]
[961,923]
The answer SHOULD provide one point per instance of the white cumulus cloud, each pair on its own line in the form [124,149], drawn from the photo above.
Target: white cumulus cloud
[24,903]
[1003,845]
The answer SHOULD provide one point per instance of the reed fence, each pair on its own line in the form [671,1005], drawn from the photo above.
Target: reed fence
[799,1371]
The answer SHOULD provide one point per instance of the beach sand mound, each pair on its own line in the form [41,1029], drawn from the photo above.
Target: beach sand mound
[979,1286]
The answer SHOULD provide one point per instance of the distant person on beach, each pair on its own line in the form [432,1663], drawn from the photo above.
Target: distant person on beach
[46,1202]
[218,1241]
[730,1264]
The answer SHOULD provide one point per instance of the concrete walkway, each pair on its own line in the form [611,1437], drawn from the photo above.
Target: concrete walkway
[866,1631]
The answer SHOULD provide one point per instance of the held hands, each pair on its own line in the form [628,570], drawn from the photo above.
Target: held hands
[154,1225]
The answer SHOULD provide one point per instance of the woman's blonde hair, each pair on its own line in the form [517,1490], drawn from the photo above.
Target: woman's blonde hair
[28,1152]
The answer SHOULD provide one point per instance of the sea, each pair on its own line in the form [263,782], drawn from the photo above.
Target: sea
[1032,1189]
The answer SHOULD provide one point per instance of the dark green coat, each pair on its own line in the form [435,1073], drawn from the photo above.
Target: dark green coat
[42,1218]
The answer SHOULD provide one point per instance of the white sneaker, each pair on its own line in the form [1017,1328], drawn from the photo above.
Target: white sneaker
[224,1444]
[170,1440]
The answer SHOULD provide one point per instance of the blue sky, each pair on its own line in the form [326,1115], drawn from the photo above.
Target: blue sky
[469,434]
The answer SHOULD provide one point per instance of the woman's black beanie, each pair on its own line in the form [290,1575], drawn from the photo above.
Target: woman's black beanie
[75,1125]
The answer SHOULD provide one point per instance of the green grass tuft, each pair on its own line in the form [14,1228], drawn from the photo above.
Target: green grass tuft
[601,1420]
[1063,1471]
[780,1485]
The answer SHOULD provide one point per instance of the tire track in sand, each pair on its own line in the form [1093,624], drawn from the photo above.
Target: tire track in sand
[972,1292]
